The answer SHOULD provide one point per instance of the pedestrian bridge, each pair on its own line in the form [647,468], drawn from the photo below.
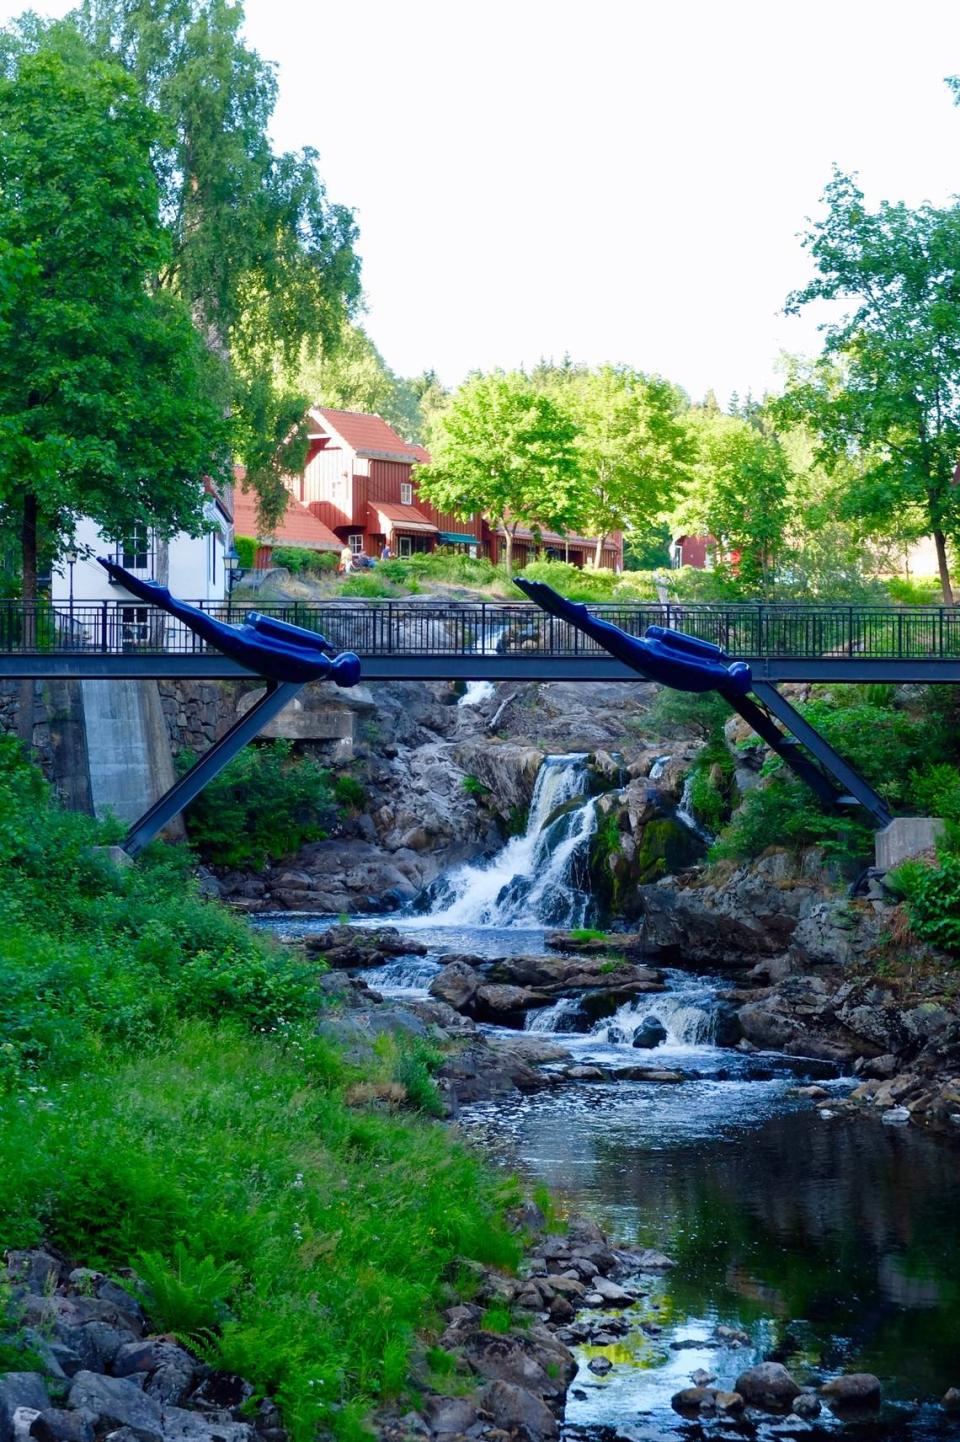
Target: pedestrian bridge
[427,639]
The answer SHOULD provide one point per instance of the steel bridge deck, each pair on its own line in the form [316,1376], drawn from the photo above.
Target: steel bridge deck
[430,640]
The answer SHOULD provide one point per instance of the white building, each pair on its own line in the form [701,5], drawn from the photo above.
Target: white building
[192,566]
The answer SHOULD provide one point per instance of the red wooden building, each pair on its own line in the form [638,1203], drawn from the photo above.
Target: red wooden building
[359,481]
[297,527]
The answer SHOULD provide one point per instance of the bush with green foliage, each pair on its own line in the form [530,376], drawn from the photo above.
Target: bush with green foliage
[899,752]
[246,549]
[932,896]
[262,807]
[166,1104]
[297,559]
[370,586]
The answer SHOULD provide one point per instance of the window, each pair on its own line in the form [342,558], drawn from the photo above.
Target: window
[355,542]
[406,493]
[135,549]
[134,626]
[405,544]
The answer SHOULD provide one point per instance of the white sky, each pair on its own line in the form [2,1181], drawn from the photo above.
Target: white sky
[623,180]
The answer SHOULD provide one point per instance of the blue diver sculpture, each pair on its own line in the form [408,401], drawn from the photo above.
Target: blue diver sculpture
[286,656]
[267,647]
[674,659]
[688,664]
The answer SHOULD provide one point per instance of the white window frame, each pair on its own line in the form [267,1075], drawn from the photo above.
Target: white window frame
[406,493]
[404,545]
[355,542]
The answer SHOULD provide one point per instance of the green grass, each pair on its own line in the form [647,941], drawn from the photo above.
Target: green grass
[587,933]
[166,1105]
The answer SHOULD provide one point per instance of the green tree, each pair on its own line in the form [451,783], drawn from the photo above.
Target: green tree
[264,261]
[105,390]
[503,447]
[355,377]
[888,382]
[633,446]
[738,494]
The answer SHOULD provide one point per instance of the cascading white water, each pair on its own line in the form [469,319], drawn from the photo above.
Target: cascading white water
[532,880]
[684,813]
[659,767]
[688,1014]
[549,1018]
[478,691]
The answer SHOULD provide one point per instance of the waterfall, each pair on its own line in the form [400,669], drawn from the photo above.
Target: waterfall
[659,767]
[688,1013]
[478,691]
[550,1018]
[684,813]
[538,878]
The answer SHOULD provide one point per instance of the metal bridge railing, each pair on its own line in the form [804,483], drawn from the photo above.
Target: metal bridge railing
[421,629]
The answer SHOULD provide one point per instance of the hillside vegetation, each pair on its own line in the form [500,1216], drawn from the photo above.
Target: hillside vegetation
[166,1105]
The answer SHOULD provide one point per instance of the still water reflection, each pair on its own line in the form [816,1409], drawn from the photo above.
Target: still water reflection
[833,1243]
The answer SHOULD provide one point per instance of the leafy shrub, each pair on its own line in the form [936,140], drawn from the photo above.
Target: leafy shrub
[158,1109]
[369,585]
[473,786]
[678,713]
[265,805]
[784,812]
[572,582]
[349,793]
[914,590]
[298,559]
[246,549]
[187,1296]
[932,896]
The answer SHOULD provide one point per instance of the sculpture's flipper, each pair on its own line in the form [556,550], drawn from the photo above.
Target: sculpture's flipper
[674,659]
[282,652]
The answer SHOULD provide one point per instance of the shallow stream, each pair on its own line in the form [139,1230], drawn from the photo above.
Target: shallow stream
[829,1242]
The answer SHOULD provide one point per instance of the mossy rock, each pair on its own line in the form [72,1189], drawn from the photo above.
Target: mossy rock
[666,847]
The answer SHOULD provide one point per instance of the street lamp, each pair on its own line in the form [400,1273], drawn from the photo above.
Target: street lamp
[231,562]
[71,557]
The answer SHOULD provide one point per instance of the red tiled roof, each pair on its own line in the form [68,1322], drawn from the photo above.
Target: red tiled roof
[298,527]
[403,518]
[370,435]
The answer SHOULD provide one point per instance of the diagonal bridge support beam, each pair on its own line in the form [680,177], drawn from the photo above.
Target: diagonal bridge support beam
[832,779]
[211,763]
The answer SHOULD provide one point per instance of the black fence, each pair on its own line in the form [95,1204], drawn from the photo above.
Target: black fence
[422,629]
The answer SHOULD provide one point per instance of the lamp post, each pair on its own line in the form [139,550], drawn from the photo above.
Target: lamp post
[231,563]
[70,556]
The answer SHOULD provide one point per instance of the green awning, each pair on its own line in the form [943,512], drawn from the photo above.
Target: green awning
[450,538]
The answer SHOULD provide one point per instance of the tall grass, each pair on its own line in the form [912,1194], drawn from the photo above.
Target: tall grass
[166,1104]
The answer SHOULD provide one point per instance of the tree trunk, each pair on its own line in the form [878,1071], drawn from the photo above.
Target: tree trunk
[940,541]
[28,635]
[508,552]
[28,549]
[598,554]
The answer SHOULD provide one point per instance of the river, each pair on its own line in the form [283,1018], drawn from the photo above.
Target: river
[829,1242]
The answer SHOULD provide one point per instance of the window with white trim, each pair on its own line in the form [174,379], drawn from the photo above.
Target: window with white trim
[355,542]
[405,546]
[135,549]
[406,493]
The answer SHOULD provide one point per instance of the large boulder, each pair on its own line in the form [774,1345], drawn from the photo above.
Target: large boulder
[457,985]
[769,1386]
[854,1391]
[507,1005]
[649,1034]
[516,1410]
[20,1389]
